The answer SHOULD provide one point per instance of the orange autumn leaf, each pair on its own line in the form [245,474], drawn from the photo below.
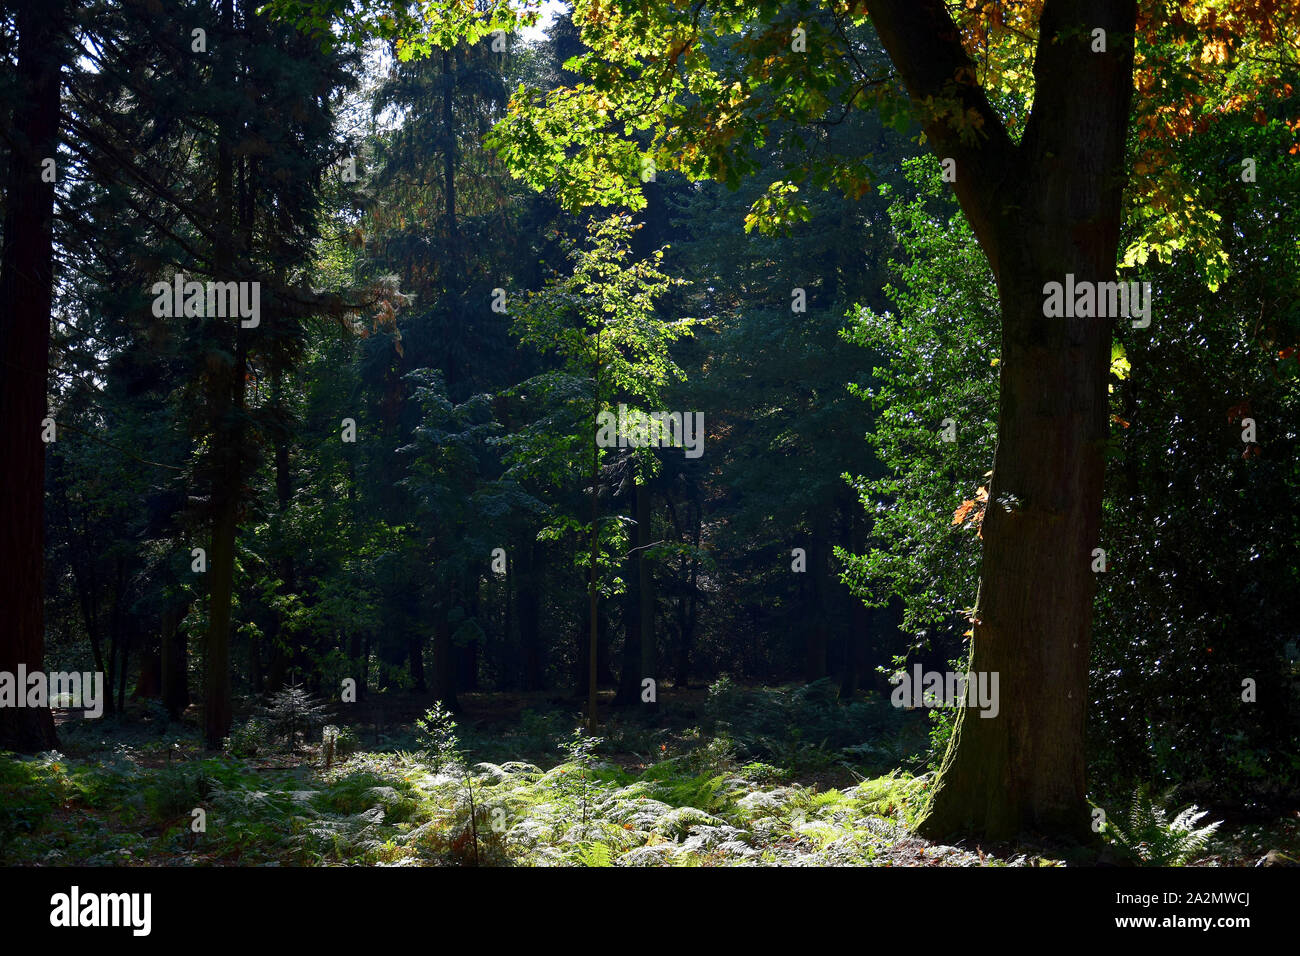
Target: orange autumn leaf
[972,509]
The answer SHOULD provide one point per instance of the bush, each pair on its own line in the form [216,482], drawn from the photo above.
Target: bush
[249,739]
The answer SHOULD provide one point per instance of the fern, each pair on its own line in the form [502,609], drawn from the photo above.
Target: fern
[1150,838]
[594,854]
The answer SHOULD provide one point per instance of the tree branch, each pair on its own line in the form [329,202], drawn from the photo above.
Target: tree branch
[925,45]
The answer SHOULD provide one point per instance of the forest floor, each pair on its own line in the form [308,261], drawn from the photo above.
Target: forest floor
[656,791]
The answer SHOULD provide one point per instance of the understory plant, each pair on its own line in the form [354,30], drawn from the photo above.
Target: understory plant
[1148,837]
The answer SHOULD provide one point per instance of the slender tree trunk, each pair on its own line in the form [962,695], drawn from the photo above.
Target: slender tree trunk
[217,713]
[815,624]
[121,636]
[84,585]
[467,654]
[449,148]
[363,681]
[415,656]
[593,718]
[122,673]
[859,616]
[110,673]
[604,648]
[508,586]
[357,657]
[26,293]
[274,676]
[175,662]
[225,399]
[529,614]
[645,593]
[444,670]
[148,683]
[689,606]
[629,678]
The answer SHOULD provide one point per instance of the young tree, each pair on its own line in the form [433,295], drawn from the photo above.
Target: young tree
[601,322]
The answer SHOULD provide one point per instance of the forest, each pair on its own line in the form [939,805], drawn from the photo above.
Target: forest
[689,433]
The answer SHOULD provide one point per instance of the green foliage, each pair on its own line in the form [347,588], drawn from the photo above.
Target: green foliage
[573,779]
[416,28]
[594,854]
[291,713]
[807,728]
[29,793]
[601,322]
[937,365]
[175,792]
[397,809]
[284,722]
[439,730]
[705,95]
[1148,837]
[1200,546]
[353,556]
[249,738]
[601,317]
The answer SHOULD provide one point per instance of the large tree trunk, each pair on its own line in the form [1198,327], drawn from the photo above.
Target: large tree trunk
[26,291]
[1043,209]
